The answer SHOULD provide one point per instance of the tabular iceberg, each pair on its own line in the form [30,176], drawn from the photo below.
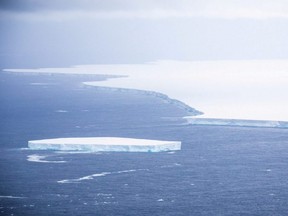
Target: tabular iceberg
[111,144]
[235,122]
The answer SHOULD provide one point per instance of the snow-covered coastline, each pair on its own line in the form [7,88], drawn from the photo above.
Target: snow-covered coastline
[166,98]
[231,90]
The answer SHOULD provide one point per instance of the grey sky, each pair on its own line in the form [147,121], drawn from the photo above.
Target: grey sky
[56,32]
[153,8]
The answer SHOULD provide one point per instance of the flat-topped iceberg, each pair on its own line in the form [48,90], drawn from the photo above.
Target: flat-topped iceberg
[193,120]
[111,144]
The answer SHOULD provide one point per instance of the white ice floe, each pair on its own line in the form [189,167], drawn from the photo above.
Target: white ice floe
[61,111]
[249,90]
[42,84]
[41,159]
[105,195]
[96,144]
[171,165]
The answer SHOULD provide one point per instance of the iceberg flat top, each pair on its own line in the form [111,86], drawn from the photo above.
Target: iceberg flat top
[110,144]
[253,89]
[101,141]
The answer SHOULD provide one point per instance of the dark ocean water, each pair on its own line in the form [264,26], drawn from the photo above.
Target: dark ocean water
[219,171]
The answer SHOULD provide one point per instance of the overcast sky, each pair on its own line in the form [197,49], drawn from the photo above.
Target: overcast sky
[68,32]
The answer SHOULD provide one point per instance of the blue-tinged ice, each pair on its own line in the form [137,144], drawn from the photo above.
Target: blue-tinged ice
[236,122]
[99,144]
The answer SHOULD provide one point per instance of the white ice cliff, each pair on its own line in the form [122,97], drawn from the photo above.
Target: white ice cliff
[110,144]
[194,120]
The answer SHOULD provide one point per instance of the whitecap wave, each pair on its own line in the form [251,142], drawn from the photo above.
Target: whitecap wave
[91,177]
[41,159]
[103,174]
[12,197]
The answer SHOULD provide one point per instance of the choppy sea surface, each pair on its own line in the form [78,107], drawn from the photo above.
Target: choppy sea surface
[219,171]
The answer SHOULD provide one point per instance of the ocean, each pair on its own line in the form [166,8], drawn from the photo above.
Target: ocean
[219,171]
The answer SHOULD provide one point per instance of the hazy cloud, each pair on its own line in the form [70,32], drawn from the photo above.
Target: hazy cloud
[63,10]
[63,32]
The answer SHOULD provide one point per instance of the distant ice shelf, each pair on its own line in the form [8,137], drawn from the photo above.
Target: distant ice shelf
[236,122]
[104,144]
[159,95]
[225,91]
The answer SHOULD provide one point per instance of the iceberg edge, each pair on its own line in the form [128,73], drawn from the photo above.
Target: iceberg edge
[192,120]
[104,144]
